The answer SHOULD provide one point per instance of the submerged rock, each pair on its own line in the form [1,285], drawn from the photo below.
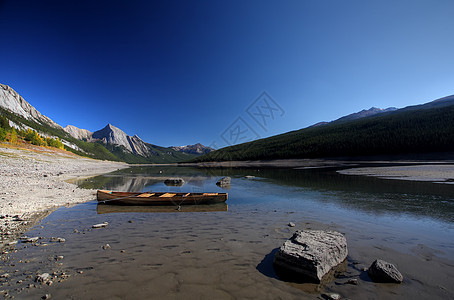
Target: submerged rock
[174,181]
[57,239]
[224,182]
[101,225]
[29,240]
[382,271]
[311,254]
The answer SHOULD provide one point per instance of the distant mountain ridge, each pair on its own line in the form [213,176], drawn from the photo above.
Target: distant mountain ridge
[358,115]
[193,149]
[366,113]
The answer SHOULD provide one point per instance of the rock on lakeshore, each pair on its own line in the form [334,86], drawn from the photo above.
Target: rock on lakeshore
[174,181]
[311,254]
[224,182]
[382,271]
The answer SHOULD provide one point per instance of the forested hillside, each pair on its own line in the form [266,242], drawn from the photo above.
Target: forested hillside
[418,129]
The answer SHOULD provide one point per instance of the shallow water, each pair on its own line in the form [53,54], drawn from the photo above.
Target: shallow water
[222,253]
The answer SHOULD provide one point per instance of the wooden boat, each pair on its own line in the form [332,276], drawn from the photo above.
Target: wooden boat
[150,198]
[109,209]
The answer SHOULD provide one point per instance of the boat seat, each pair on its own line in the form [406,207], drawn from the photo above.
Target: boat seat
[145,195]
[210,194]
[167,195]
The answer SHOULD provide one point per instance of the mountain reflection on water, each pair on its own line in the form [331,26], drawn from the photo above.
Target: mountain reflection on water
[367,194]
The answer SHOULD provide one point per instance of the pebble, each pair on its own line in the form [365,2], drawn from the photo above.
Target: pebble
[58,257]
[57,239]
[42,278]
[352,281]
[291,224]
[46,296]
[106,246]
[29,240]
[332,296]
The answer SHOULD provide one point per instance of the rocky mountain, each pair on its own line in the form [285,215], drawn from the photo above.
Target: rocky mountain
[109,143]
[78,133]
[193,149]
[115,136]
[13,102]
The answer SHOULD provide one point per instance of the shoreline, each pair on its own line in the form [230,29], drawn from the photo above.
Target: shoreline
[34,182]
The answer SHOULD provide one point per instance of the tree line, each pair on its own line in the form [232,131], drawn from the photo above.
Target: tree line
[15,136]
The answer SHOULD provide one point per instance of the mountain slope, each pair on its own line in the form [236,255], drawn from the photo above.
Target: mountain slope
[417,129]
[12,101]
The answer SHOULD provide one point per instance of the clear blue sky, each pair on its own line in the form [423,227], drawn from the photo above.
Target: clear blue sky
[181,72]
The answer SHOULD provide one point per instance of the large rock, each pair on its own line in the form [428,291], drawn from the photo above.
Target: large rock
[174,181]
[311,254]
[382,271]
[224,182]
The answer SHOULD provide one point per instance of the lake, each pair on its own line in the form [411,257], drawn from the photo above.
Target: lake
[226,251]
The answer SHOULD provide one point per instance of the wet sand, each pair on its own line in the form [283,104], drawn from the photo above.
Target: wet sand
[32,183]
[440,173]
[215,255]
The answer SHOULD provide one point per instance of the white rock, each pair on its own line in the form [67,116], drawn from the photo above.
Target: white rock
[311,254]
[101,225]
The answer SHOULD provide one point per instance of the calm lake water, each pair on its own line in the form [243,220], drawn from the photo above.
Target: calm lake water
[226,251]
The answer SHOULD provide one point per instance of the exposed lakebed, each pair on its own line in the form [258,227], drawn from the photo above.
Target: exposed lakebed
[225,253]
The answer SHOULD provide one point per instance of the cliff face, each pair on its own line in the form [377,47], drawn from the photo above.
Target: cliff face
[78,133]
[12,101]
[115,136]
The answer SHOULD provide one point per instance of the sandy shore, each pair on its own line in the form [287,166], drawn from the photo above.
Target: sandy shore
[439,173]
[32,185]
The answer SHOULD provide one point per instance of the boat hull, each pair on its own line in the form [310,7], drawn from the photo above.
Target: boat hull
[128,198]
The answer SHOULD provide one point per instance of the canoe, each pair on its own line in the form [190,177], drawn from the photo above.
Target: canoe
[109,209]
[150,198]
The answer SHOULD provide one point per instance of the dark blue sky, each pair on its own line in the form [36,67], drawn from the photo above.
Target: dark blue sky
[181,72]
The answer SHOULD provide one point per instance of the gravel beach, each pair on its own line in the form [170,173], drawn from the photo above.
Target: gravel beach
[32,184]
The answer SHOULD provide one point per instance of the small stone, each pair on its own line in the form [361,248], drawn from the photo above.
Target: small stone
[81,272]
[6,275]
[19,281]
[101,225]
[29,240]
[352,281]
[122,251]
[332,296]
[106,246]
[130,221]
[382,271]
[291,224]
[42,278]
[46,296]
[224,182]
[49,283]
[76,231]
[59,257]
[57,239]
